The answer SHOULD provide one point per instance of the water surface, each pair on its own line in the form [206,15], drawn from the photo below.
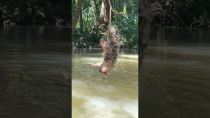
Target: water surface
[174,80]
[175,75]
[31,80]
[109,96]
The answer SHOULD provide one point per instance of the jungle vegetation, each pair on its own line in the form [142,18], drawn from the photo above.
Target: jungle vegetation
[174,13]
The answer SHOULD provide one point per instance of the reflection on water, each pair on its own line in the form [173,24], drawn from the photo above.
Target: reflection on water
[179,36]
[109,96]
[31,80]
[174,81]
[175,76]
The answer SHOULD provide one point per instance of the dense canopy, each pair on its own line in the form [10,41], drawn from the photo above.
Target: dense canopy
[175,13]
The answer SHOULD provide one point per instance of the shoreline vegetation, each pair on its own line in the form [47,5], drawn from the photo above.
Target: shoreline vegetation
[189,14]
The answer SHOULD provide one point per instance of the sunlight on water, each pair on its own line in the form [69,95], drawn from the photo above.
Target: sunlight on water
[110,96]
[129,56]
[89,58]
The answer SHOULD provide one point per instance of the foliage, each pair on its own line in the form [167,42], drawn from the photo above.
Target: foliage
[184,13]
[126,25]
[175,13]
[23,12]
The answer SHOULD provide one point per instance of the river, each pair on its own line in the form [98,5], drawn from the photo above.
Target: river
[107,96]
[173,82]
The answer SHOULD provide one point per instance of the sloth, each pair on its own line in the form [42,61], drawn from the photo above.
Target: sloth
[111,50]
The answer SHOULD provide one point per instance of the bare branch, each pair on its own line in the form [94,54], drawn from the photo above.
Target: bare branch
[117,12]
[114,10]
[202,20]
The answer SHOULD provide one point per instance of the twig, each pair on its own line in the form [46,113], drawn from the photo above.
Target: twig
[192,24]
[110,12]
[113,11]
[202,21]
[117,12]
[180,19]
[169,16]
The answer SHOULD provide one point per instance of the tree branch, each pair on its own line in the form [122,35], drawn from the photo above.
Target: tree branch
[114,10]
[117,12]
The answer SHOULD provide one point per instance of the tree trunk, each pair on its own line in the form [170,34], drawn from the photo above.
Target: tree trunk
[87,21]
[81,22]
[147,10]
[76,14]
[104,15]
[97,12]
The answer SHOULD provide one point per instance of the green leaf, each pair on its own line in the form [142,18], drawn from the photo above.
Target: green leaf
[124,10]
[126,16]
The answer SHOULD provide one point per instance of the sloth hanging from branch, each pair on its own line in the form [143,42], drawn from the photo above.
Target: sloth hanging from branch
[111,47]
[112,44]
[147,10]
